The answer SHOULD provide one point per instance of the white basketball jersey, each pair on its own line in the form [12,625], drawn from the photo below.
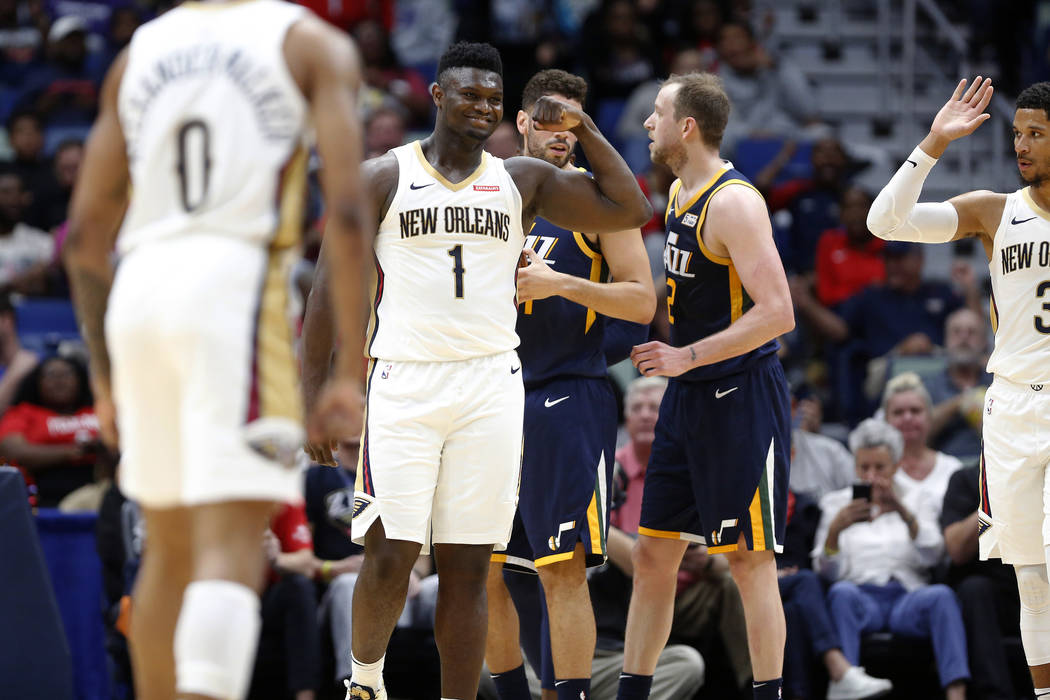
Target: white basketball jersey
[446,258]
[1020,272]
[213,122]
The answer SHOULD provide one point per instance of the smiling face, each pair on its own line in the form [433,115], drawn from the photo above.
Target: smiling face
[640,414]
[470,101]
[1032,145]
[907,412]
[555,147]
[667,147]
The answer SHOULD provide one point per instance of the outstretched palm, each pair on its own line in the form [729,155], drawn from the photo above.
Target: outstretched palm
[964,112]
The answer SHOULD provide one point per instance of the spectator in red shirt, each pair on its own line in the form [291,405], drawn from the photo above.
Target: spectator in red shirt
[288,662]
[848,257]
[52,433]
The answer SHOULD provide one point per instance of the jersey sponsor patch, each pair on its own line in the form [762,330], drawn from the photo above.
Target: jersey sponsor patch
[689,219]
[486,188]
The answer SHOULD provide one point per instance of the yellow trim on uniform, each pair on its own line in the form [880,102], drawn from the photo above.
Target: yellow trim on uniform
[736,295]
[454,186]
[662,534]
[992,316]
[723,548]
[499,559]
[675,186]
[594,525]
[758,532]
[277,373]
[595,274]
[718,259]
[1026,195]
[679,210]
[554,558]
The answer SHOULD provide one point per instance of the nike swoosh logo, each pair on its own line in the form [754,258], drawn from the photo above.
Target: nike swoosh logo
[515,370]
[414,186]
[548,403]
[719,393]
[1014,220]
[913,163]
[557,683]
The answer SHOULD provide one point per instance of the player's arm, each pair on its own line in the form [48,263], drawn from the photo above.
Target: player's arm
[100,199]
[629,296]
[895,214]
[326,66]
[319,327]
[609,201]
[737,221]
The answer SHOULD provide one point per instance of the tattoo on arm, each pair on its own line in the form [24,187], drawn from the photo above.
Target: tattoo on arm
[692,353]
[90,296]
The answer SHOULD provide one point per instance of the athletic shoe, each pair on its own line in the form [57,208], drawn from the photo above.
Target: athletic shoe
[356,691]
[855,684]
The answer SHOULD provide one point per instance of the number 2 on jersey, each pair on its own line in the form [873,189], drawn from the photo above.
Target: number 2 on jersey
[672,288]
[194,166]
[456,253]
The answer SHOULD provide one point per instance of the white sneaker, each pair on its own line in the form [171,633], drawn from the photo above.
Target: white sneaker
[356,691]
[855,684]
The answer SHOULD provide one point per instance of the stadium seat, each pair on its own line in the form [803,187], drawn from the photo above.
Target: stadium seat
[44,323]
[752,155]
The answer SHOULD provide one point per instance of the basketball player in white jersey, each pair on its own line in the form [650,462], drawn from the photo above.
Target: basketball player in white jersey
[1013,517]
[441,449]
[198,158]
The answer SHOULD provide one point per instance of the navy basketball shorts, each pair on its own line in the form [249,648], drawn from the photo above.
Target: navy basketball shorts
[567,462]
[719,463]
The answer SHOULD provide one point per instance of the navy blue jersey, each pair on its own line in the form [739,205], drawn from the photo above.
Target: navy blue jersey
[560,337]
[704,293]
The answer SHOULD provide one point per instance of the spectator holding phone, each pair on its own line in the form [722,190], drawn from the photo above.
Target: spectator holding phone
[878,551]
[51,433]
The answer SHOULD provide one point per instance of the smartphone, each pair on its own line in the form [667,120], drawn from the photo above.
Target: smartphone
[862,491]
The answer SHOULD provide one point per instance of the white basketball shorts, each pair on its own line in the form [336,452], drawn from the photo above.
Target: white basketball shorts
[204,378]
[1015,496]
[441,451]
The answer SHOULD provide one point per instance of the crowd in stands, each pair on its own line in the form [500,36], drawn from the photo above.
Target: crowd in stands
[886,366]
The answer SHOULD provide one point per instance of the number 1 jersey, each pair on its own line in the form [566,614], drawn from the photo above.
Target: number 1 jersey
[446,263]
[214,123]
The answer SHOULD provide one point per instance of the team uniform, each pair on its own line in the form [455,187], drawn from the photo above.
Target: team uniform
[1016,450]
[719,462]
[570,414]
[198,323]
[441,449]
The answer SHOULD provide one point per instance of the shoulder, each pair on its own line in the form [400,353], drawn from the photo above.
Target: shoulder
[737,197]
[314,47]
[381,174]
[833,501]
[946,464]
[964,480]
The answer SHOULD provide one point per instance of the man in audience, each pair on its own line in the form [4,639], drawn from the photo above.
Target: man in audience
[958,392]
[26,253]
[819,464]
[987,591]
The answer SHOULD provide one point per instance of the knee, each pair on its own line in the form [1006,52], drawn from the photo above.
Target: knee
[842,593]
[746,565]
[563,576]
[654,559]
[807,583]
[390,564]
[942,596]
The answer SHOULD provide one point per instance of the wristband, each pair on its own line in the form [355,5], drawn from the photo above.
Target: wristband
[326,571]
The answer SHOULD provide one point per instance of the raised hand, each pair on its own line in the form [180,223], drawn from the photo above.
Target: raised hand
[964,112]
[551,114]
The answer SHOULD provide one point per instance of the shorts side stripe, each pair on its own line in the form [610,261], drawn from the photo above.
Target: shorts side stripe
[670,535]
[982,483]
[363,482]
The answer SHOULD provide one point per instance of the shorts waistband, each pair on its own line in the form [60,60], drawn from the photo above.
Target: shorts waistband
[1001,382]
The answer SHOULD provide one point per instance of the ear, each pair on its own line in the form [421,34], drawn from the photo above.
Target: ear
[436,94]
[689,127]
[522,122]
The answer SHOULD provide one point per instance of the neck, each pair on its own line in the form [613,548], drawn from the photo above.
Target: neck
[1041,194]
[447,150]
[699,167]
[915,461]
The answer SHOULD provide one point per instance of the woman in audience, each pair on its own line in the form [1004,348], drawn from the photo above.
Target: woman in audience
[51,433]
[907,407]
[878,550]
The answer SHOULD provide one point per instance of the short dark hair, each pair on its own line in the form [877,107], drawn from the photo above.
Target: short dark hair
[553,81]
[24,113]
[468,54]
[702,97]
[1035,96]
[29,389]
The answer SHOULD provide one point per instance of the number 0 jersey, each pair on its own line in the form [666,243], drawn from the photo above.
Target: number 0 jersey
[446,263]
[213,123]
[704,293]
[1020,272]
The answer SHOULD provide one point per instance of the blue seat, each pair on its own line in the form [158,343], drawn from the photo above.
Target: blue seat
[752,155]
[44,323]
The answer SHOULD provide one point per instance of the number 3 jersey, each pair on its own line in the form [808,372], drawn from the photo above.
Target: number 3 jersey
[214,122]
[446,263]
[1020,304]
